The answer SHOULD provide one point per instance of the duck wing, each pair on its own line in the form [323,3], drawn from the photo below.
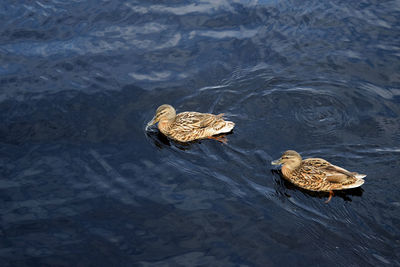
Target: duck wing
[189,126]
[196,120]
[333,173]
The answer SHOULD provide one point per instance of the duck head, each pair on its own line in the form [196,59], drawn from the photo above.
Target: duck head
[163,113]
[290,159]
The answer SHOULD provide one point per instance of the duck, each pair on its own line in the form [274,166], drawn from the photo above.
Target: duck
[189,126]
[317,174]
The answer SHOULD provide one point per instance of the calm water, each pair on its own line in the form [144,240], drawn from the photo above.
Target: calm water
[82,183]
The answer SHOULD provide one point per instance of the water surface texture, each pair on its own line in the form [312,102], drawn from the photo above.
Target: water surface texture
[83,184]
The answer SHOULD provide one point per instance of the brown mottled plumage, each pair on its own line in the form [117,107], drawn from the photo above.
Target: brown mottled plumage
[316,174]
[189,126]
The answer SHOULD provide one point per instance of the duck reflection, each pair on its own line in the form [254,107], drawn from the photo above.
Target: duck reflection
[344,194]
[161,141]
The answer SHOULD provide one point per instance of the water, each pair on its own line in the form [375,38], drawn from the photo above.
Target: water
[82,183]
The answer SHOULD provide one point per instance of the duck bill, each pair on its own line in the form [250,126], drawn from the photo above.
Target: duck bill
[276,162]
[152,122]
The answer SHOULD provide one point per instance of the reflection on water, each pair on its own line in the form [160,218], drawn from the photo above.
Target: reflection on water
[344,194]
[162,141]
[82,182]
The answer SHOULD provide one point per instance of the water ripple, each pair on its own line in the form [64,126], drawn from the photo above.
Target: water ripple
[83,183]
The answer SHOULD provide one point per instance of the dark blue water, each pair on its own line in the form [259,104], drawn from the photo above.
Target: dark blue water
[82,183]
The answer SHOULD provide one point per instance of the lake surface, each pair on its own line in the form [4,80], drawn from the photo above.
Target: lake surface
[83,184]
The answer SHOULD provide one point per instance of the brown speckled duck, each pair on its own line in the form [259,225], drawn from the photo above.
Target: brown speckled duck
[317,174]
[189,126]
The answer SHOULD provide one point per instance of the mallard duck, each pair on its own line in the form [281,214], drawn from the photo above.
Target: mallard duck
[189,126]
[317,174]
